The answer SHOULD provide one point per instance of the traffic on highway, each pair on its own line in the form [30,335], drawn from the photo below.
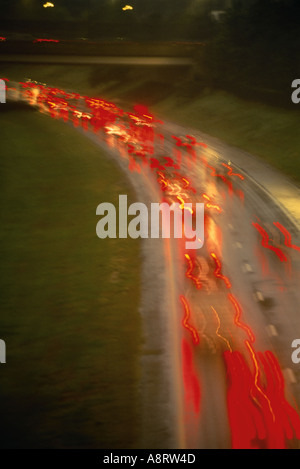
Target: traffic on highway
[233,304]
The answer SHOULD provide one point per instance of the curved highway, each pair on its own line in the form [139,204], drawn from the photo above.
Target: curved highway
[219,322]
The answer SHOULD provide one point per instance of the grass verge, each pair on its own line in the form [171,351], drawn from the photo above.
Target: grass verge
[69,301]
[268,132]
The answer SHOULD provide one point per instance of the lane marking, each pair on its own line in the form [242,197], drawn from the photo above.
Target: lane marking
[258,295]
[272,331]
[290,375]
[247,268]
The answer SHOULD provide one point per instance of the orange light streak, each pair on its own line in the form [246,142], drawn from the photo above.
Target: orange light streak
[230,173]
[265,243]
[238,315]
[218,329]
[185,322]
[217,272]
[210,205]
[256,377]
[189,273]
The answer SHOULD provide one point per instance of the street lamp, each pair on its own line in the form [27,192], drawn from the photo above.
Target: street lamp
[127,8]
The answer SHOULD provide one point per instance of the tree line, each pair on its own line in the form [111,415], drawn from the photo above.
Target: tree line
[255,50]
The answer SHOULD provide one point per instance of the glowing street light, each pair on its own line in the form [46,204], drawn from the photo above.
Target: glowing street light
[127,7]
[48,5]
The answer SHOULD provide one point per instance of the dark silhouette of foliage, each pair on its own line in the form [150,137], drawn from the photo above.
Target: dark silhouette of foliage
[255,50]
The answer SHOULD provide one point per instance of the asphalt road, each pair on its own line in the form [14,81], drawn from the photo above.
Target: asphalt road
[265,288]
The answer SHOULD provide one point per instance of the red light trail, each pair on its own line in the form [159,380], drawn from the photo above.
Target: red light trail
[189,273]
[287,237]
[218,270]
[45,40]
[185,322]
[190,379]
[266,243]
[230,172]
[238,315]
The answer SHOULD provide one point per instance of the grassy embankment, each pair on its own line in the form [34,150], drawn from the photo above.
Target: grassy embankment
[268,132]
[69,301]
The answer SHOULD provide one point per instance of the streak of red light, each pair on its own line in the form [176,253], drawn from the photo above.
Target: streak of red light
[266,243]
[287,237]
[191,382]
[218,270]
[185,321]
[238,315]
[230,172]
[189,272]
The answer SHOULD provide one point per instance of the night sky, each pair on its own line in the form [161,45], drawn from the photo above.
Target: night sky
[162,19]
[83,9]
